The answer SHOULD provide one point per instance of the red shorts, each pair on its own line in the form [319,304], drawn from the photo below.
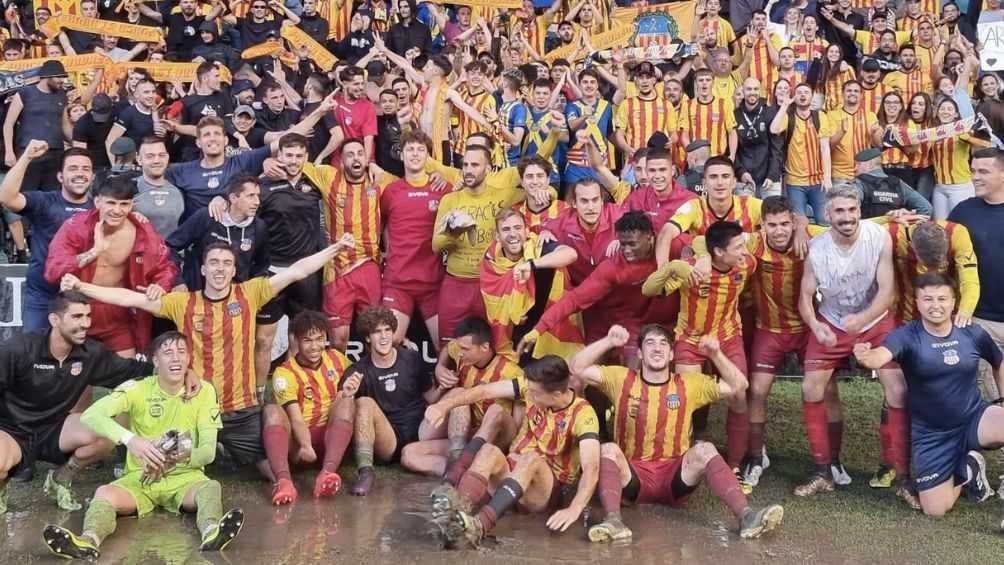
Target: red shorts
[656,480]
[769,348]
[352,292]
[686,353]
[111,325]
[406,298]
[458,299]
[819,357]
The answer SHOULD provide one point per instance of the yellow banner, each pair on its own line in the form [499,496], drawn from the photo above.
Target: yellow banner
[70,62]
[184,72]
[660,23]
[268,48]
[619,35]
[147,34]
[58,6]
[299,39]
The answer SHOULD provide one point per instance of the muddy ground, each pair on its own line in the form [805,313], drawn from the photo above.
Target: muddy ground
[857,525]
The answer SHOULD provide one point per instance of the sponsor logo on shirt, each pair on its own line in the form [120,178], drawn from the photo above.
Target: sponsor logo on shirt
[43,366]
[156,410]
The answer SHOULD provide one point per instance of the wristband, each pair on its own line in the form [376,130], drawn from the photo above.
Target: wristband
[126,437]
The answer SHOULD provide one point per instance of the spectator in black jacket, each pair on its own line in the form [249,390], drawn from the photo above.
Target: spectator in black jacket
[359,41]
[408,33]
[213,50]
[238,227]
[842,12]
[312,22]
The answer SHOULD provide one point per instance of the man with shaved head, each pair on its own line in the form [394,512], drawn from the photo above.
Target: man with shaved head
[759,156]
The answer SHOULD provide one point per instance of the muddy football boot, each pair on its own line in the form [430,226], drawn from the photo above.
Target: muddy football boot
[284,492]
[906,493]
[746,487]
[60,493]
[63,543]
[364,482]
[327,483]
[755,523]
[464,531]
[225,531]
[611,529]
[841,477]
[817,484]
[884,477]
[977,485]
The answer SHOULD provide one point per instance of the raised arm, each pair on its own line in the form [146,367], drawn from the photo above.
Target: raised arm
[585,365]
[309,265]
[10,188]
[115,296]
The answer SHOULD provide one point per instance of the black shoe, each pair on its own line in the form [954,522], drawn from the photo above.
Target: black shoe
[21,256]
[24,475]
[977,485]
[226,530]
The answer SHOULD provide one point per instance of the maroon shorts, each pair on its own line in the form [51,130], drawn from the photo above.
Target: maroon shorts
[686,353]
[406,298]
[352,292]
[769,349]
[458,299]
[819,357]
[111,325]
[656,480]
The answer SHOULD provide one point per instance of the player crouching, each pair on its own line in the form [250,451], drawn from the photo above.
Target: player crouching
[317,416]
[169,443]
[652,459]
[557,442]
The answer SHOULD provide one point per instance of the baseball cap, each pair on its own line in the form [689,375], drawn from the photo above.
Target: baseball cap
[697,144]
[868,154]
[52,69]
[244,109]
[658,140]
[241,85]
[101,108]
[123,146]
[375,69]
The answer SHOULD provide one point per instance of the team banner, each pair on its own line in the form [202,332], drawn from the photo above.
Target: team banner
[79,68]
[991,36]
[148,34]
[166,72]
[659,24]
[299,39]
[482,3]
[268,48]
[620,34]
[13,80]
[902,137]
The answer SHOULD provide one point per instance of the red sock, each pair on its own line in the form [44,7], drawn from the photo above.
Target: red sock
[836,434]
[814,415]
[885,436]
[276,439]
[488,517]
[336,441]
[899,441]
[723,483]
[756,438]
[463,463]
[474,487]
[610,486]
[738,428]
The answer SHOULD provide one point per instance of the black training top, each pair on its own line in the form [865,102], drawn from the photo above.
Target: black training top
[398,389]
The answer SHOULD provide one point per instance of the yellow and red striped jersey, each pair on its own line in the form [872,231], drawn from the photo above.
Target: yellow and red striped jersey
[555,435]
[776,284]
[500,368]
[762,67]
[908,84]
[652,422]
[869,42]
[534,32]
[910,24]
[315,390]
[833,89]
[712,307]
[640,118]
[354,208]
[803,165]
[871,98]
[695,216]
[806,51]
[481,102]
[894,156]
[723,30]
[536,220]
[711,121]
[923,156]
[222,337]
[961,263]
[857,136]
[951,160]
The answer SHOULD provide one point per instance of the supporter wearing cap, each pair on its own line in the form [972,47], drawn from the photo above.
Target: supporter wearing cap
[639,117]
[872,87]
[92,128]
[36,112]
[881,193]
[182,26]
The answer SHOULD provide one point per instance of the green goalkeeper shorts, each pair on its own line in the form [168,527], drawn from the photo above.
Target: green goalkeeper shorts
[167,493]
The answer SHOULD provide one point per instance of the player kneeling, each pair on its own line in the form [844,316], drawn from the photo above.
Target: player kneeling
[170,442]
[557,442]
[314,412]
[652,460]
[950,423]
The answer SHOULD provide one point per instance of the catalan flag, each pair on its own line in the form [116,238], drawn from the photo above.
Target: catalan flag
[507,303]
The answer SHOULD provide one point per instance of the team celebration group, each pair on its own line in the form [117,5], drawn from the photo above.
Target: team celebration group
[595,243]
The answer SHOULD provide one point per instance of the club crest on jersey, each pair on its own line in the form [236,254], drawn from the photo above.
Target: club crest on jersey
[371,191]
[433,205]
[197,323]
[308,393]
[331,374]
[673,401]
[738,277]
[561,425]
[213,182]
[340,200]
[951,357]
[390,385]
[156,410]
[234,309]
[76,368]
[716,116]
[245,245]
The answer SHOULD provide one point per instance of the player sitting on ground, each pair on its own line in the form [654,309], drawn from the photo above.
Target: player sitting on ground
[169,441]
[467,361]
[950,422]
[652,460]
[557,447]
[319,418]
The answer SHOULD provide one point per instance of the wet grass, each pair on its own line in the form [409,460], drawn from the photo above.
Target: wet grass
[853,525]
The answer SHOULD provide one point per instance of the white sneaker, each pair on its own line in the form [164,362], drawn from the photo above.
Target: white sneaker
[840,475]
[766,460]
